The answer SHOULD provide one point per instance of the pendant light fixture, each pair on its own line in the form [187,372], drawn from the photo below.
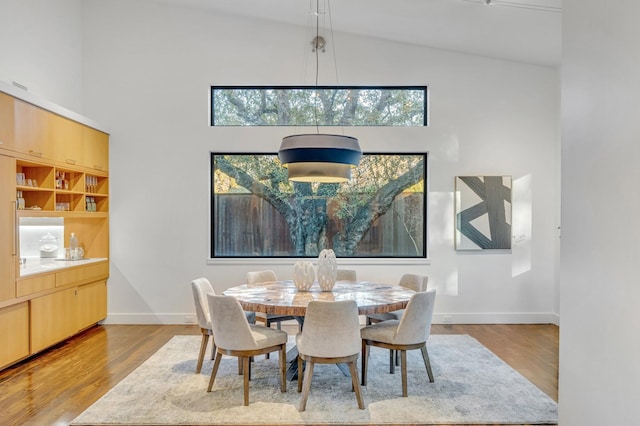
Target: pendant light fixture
[319,157]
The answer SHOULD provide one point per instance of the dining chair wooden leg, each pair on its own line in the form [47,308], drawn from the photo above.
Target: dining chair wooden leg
[397,359]
[283,368]
[203,349]
[427,363]
[240,370]
[267,324]
[300,367]
[216,364]
[365,356]
[392,364]
[308,374]
[356,384]
[245,361]
[403,363]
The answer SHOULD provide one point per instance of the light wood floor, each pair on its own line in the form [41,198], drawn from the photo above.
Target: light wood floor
[57,385]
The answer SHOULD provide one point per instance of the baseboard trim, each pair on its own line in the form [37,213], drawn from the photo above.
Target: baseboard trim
[498,318]
[438,318]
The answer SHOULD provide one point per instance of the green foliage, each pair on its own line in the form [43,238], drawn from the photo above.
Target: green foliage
[312,106]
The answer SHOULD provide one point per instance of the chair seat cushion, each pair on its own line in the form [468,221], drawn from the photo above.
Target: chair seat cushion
[266,337]
[380,332]
[385,332]
[394,315]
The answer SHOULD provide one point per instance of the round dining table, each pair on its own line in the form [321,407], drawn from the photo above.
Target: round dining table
[283,298]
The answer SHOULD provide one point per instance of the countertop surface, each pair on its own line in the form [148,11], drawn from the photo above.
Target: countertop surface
[37,265]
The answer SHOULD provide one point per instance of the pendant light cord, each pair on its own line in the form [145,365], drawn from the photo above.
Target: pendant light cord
[316,47]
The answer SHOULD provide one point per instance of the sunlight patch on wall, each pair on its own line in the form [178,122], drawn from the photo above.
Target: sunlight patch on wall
[452,284]
[441,224]
[521,225]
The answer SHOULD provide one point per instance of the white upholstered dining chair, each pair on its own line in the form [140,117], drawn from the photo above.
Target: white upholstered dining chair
[408,333]
[330,335]
[413,282]
[234,336]
[346,275]
[256,278]
[200,288]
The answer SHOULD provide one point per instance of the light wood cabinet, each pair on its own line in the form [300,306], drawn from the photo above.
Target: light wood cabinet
[96,149]
[33,285]
[31,125]
[7,229]
[92,304]
[14,333]
[82,274]
[67,139]
[57,316]
[50,166]
[7,136]
[53,318]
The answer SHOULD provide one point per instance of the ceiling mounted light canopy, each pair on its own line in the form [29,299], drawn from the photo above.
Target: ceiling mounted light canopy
[319,157]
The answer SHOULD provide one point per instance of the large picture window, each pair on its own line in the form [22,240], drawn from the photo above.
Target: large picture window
[257,212]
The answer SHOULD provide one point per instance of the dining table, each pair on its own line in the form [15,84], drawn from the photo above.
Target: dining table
[283,298]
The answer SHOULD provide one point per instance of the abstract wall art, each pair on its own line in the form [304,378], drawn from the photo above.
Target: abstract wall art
[483,212]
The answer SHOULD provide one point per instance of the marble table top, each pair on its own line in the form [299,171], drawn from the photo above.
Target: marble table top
[282,297]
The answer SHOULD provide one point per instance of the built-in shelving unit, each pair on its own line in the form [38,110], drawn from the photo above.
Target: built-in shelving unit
[53,164]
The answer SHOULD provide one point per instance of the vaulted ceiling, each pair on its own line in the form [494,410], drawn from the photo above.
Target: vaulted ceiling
[519,30]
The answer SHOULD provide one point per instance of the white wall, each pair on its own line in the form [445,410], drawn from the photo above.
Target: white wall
[146,70]
[41,45]
[600,295]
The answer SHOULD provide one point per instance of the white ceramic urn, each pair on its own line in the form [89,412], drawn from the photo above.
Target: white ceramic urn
[327,270]
[303,275]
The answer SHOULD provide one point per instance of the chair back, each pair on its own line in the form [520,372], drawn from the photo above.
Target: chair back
[346,275]
[330,330]
[200,288]
[257,277]
[415,324]
[231,329]
[414,282]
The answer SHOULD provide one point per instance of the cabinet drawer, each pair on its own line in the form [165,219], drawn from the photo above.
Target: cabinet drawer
[34,285]
[83,274]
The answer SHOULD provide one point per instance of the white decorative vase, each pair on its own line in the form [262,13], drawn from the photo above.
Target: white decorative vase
[303,275]
[327,270]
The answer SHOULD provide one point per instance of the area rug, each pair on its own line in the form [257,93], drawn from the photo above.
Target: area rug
[472,386]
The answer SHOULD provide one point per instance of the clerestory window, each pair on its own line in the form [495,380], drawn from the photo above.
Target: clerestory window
[322,106]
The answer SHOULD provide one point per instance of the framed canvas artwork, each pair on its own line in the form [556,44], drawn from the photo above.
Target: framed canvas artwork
[483,212]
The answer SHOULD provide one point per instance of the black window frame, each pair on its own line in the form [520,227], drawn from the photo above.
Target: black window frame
[425,204]
[424,88]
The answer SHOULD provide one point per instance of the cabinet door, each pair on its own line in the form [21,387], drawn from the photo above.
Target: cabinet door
[14,333]
[7,140]
[31,126]
[7,228]
[92,304]
[96,149]
[66,136]
[54,317]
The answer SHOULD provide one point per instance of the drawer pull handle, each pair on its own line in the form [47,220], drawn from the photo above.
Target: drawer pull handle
[70,161]
[36,153]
